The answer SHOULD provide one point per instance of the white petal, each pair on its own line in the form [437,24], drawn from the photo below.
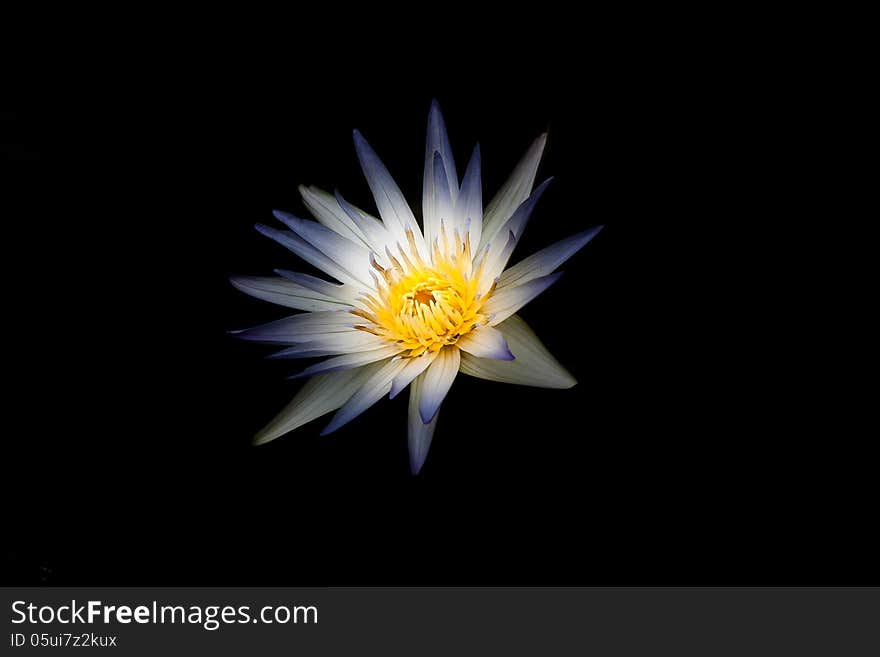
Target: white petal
[437,381]
[414,367]
[485,342]
[330,344]
[393,208]
[419,434]
[546,260]
[326,210]
[503,303]
[469,204]
[373,389]
[494,259]
[283,292]
[534,366]
[520,217]
[376,235]
[309,253]
[318,396]
[352,256]
[502,246]
[437,142]
[350,361]
[515,191]
[300,328]
[443,208]
[346,294]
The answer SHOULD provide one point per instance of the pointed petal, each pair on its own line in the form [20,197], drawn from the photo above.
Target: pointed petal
[500,251]
[437,382]
[419,434]
[325,209]
[307,350]
[376,235]
[437,142]
[518,220]
[393,208]
[309,253]
[282,292]
[342,293]
[349,361]
[494,259]
[318,396]
[514,192]
[373,389]
[330,344]
[503,303]
[354,257]
[469,204]
[533,366]
[546,260]
[443,208]
[485,342]
[414,367]
[300,328]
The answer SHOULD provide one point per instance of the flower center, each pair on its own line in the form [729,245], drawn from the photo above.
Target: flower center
[423,293]
[424,307]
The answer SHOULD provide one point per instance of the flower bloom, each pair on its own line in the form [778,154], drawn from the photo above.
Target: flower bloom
[411,306]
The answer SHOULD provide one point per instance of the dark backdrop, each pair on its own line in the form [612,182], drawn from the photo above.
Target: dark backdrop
[134,193]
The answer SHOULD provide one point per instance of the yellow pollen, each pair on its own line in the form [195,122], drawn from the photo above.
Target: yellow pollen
[424,307]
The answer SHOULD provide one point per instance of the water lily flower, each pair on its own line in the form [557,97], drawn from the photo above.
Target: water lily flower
[410,305]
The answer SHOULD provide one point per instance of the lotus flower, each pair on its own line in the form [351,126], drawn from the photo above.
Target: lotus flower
[410,305]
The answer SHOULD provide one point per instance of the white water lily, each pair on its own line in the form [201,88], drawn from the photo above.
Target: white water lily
[411,307]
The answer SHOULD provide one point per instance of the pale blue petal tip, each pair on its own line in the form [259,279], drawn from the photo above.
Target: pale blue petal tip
[330,428]
[590,233]
[289,220]
[475,159]
[423,411]
[540,188]
[415,464]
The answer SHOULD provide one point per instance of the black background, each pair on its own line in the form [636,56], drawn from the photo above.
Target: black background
[685,454]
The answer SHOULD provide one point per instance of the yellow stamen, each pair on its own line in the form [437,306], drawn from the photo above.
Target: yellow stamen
[424,307]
